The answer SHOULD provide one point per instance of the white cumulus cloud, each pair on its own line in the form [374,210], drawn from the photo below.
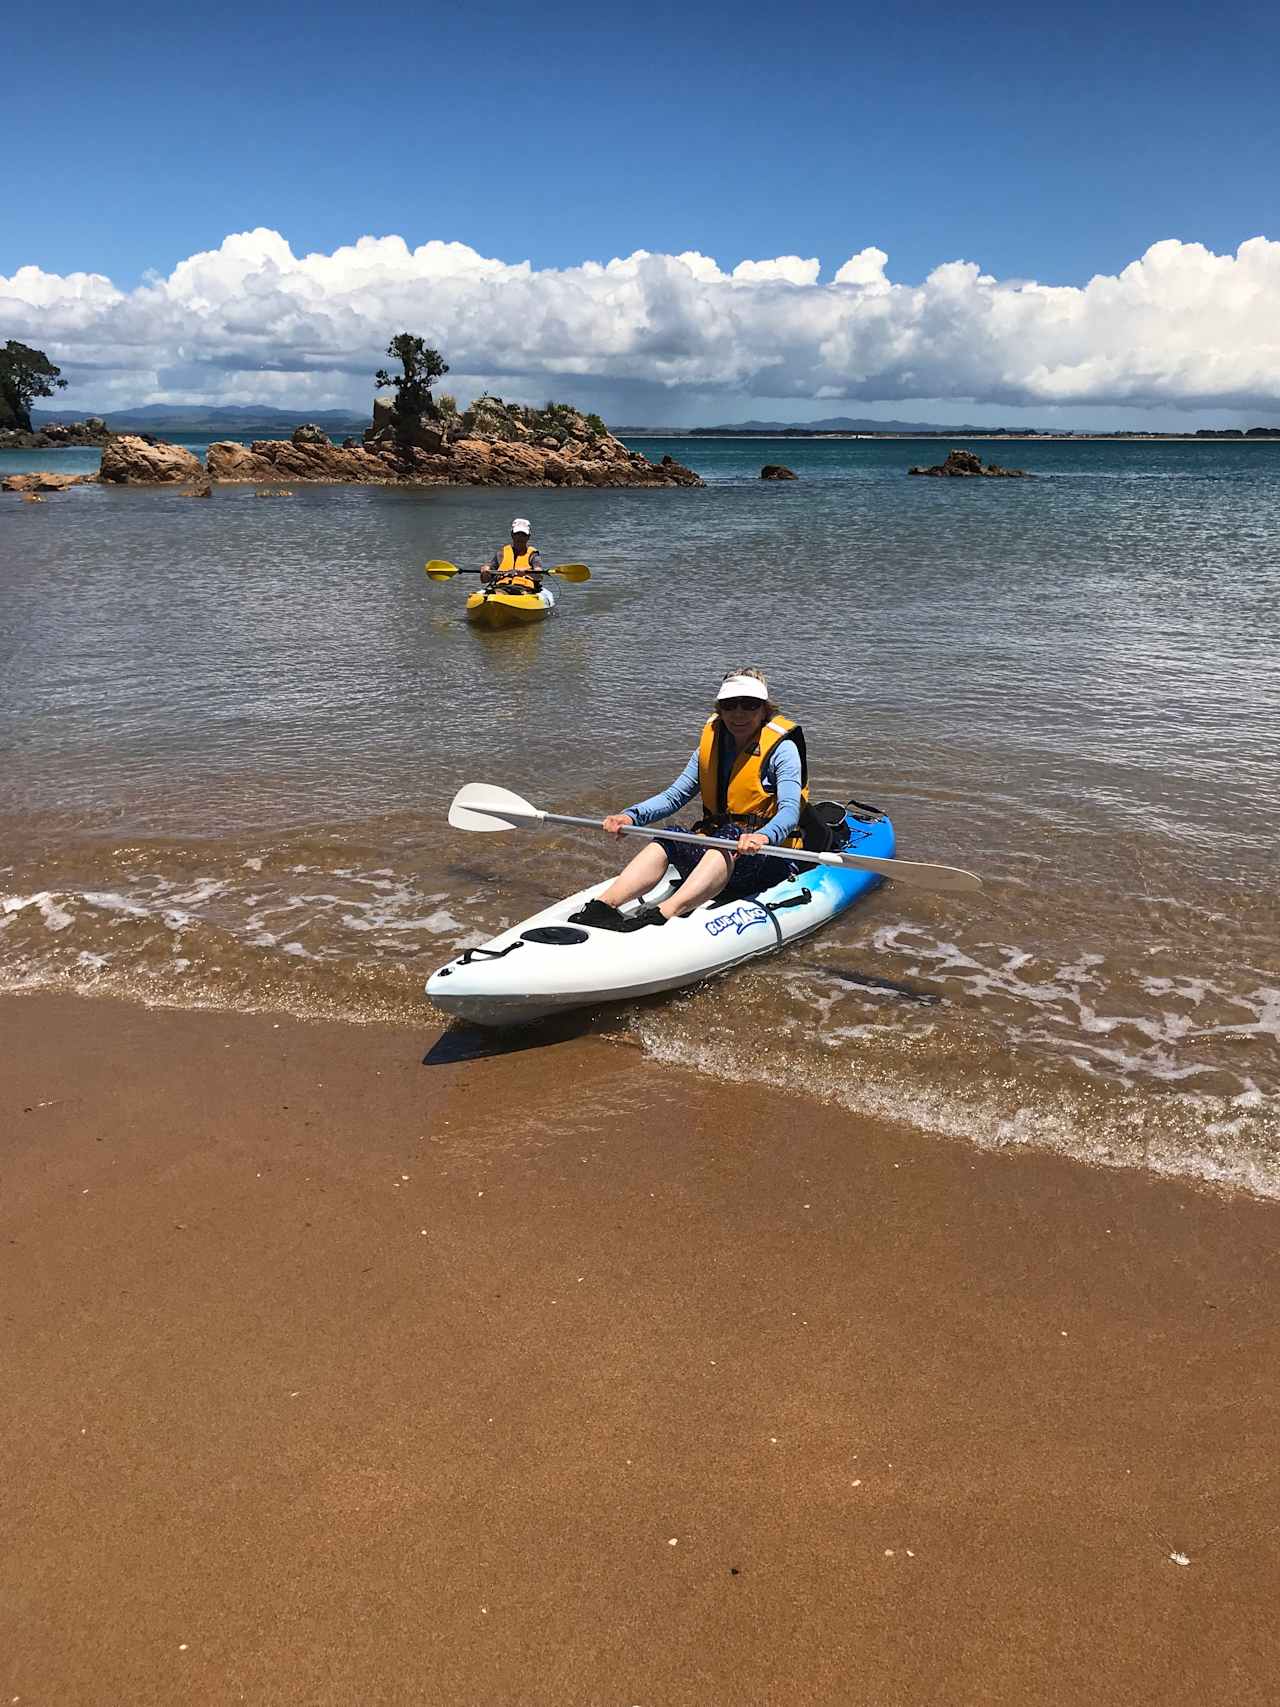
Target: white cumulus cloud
[1180,326]
[865,268]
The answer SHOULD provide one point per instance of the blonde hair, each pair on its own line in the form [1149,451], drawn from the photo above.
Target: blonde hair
[770,709]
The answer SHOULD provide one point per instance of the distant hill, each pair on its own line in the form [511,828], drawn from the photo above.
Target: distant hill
[239,418]
[835,424]
[805,429]
[848,424]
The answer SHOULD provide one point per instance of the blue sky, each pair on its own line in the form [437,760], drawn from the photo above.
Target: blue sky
[1046,144]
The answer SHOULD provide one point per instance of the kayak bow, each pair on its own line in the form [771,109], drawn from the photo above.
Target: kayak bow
[493,608]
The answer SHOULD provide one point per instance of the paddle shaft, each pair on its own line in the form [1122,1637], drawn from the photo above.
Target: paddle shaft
[439,570]
[475,804]
[864,862]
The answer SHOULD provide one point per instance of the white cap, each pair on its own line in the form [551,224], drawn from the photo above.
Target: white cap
[742,687]
[520,525]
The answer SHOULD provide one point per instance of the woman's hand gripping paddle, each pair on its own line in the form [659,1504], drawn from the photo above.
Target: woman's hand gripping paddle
[485,807]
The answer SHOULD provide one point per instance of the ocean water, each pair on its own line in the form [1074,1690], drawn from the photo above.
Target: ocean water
[229,731]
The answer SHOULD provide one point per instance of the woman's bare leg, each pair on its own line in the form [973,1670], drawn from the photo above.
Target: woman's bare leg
[706,879]
[644,871]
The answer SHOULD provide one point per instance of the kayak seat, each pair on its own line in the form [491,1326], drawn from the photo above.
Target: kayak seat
[862,813]
[822,827]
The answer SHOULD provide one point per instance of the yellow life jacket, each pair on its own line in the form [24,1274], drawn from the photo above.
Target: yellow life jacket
[510,569]
[746,800]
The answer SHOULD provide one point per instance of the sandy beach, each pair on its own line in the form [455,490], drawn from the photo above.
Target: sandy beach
[336,1374]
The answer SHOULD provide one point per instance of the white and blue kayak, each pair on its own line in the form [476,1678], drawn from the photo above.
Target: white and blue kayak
[545,965]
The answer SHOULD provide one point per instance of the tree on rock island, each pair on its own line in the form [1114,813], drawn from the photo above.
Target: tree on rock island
[422,365]
[25,373]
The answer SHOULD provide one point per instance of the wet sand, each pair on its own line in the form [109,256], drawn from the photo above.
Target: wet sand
[558,1377]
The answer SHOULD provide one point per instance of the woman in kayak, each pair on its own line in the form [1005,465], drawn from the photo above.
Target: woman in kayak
[515,567]
[751,772]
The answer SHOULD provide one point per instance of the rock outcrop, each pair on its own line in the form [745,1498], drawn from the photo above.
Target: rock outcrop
[967,464]
[775,471]
[266,460]
[137,460]
[44,482]
[92,431]
[492,444]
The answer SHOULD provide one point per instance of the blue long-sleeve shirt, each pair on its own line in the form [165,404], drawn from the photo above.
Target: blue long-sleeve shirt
[780,775]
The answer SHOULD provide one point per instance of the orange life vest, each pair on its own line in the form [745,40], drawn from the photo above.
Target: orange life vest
[510,569]
[746,800]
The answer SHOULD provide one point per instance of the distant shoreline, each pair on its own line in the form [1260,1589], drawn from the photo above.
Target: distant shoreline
[937,438]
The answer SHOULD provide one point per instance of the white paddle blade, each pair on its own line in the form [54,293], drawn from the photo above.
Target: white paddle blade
[483,806]
[946,879]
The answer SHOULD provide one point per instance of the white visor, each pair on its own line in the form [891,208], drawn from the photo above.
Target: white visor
[742,687]
[520,525]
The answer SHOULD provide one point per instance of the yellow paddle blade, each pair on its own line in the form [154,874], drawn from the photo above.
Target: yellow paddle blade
[570,572]
[439,570]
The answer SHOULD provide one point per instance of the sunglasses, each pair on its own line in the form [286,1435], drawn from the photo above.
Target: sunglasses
[739,704]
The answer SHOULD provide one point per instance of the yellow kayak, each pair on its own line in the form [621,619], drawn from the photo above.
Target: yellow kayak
[497,609]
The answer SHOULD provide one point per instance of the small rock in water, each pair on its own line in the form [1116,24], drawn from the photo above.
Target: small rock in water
[965,464]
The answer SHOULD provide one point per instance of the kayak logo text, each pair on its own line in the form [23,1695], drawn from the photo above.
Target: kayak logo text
[740,919]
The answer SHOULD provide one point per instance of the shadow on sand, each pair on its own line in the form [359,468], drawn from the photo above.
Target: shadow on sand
[459,1042]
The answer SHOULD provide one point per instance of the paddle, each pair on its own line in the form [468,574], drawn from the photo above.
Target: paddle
[439,570]
[482,806]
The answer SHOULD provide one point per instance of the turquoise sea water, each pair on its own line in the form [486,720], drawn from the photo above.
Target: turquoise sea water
[229,730]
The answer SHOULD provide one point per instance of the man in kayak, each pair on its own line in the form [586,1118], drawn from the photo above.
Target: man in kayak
[515,567]
[751,771]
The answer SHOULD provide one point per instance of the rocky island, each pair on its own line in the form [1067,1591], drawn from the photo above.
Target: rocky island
[415,439]
[491,444]
[90,432]
[967,465]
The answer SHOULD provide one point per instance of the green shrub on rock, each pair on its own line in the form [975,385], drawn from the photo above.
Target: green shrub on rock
[420,365]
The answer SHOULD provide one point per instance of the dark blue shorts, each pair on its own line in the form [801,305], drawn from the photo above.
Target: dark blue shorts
[751,872]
